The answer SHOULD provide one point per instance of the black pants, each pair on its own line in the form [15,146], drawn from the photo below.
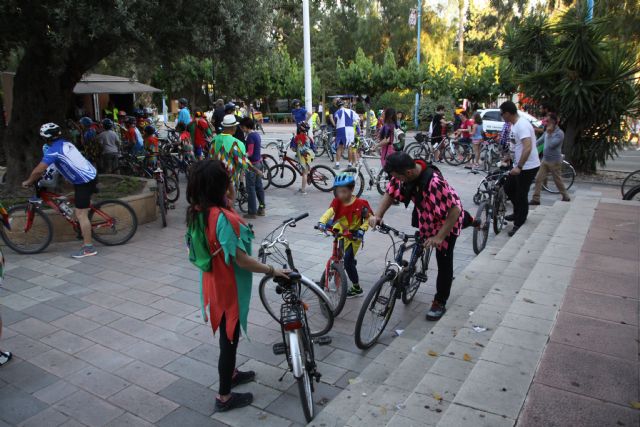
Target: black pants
[227,359]
[517,188]
[444,259]
[350,266]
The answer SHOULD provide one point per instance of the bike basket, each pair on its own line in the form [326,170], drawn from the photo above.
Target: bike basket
[290,317]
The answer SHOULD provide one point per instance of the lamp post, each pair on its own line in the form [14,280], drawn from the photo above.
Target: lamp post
[308,102]
[419,25]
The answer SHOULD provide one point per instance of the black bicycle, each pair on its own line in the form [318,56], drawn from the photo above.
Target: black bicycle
[401,279]
[492,209]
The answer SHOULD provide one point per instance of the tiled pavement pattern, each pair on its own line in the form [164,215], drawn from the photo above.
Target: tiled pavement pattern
[118,339]
[588,375]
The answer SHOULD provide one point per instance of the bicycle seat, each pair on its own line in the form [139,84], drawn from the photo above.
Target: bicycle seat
[293,277]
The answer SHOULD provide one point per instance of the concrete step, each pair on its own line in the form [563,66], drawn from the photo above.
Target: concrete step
[495,390]
[376,390]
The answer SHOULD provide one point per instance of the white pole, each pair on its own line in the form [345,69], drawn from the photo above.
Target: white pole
[308,101]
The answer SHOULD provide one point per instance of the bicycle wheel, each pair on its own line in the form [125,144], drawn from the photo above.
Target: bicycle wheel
[31,230]
[499,211]
[318,307]
[568,176]
[322,178]
[481,234]
[415,150]
[268,161]
[359,183]
[171,186]
[113,222]
[329,149]
[632,180]
[375,312]
[241,199]
[336,287]
[305,385]
[282,175]
[419,277]
[455,154]
[381,182]
[161,201]
[633,194]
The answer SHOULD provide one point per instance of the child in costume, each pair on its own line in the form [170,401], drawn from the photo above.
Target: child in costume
[348,213]
[303,146]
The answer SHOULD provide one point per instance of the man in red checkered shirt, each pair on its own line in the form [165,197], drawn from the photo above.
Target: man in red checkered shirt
[437,214]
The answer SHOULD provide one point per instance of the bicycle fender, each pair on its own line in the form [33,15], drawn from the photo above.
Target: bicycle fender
[295,354]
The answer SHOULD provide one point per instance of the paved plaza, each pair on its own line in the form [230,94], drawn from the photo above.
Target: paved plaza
[118,339]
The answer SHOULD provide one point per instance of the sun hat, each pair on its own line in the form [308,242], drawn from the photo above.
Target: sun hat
[229,121]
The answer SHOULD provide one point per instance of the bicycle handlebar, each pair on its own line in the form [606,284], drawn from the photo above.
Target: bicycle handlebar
[296,219]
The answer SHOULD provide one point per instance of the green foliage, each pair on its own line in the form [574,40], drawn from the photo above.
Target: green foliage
[575,65]
[399,100]
[428,105]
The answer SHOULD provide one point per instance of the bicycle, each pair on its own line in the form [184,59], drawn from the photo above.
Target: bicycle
[322,138]
[334,279]
[318,307]
[113,222]
[633,194]
[161,194]
[401,279]
[284,173]
[378,178]
[568,176]
[492,209]
[142,166]
[421,148]
[297,342]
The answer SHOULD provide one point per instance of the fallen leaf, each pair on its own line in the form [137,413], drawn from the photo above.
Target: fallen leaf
[479,345]
[635,405]
[383,410]
[530,301]
[432,353]
[466,357]
[262,417]
[437,396]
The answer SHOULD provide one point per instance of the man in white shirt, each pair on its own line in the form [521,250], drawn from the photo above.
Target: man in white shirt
[344,119]
[525,164]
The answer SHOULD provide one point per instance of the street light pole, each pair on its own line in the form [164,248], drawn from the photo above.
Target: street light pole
[419,24]
[308,102]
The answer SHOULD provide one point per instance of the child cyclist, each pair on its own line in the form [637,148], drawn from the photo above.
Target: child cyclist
[348,213]
[302,144]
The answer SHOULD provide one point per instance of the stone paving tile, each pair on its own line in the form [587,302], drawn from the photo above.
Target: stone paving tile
[193,370]
[143,403]
[67,342]
[9,316]
[68,303]
[58,363]
[44,312]
[88,409]
[55,392]
[47,418]
[129,420]
[135,310]
[111,338]
[600,306]
[185,417]
[26,376]
[251,416]
[75,324]
[98,314]
[33,328]
[150,353]
[462,416]
[17,406]
[97,381]
[146,376]
[192,395]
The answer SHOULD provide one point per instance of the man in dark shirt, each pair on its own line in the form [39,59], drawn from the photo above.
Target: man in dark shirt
[218,115]
[253,176]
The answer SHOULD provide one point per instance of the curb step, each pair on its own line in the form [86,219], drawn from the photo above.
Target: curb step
[404,357]
[510,359]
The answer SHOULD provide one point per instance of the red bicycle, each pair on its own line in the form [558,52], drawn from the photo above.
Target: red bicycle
[284,173]
[113,222]
[334,281]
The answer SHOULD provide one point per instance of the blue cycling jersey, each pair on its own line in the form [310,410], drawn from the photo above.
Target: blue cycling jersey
[69,162]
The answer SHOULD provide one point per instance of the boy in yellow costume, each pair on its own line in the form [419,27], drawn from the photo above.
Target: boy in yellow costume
[348,214]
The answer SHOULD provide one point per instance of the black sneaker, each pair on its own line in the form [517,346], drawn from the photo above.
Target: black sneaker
[237,400]
[355,291]
[436,311]
[240,377]
[510,218]
[513,231]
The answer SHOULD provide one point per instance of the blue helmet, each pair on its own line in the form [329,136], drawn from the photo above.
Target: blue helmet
[344,180]
[86,121]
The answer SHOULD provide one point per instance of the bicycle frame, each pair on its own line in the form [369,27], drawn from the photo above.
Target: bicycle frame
[399,268]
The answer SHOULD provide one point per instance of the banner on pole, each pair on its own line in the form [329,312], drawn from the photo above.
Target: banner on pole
[413,17]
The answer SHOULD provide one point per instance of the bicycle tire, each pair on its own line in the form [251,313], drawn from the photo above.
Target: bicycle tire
[282,175]
[242,199]
[415,150]
[408,294]
[271,144]
[457,156]
[330,154]
[322,178]
[340,293]
[633,194]
[389,304]
[318,307]
[481,234]
[268,161]
[125,210]
[161,201]
[305,384]
[381,182]
[359,188]
[17,222]
[632,180]
[568,176]
[171,187]
[499,211]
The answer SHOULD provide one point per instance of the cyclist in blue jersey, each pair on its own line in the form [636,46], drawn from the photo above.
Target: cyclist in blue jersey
[344,119]
[77,170]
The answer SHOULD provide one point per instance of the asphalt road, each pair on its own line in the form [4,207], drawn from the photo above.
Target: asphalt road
[627,161]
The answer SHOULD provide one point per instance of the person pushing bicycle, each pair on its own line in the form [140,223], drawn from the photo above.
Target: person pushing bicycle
[437,214]
[77,170]
[348,214]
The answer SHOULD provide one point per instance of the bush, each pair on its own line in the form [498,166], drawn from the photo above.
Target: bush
[428,107]
[400,101]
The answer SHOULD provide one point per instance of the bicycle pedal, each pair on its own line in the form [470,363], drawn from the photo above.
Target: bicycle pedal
[317,376]
[322,340]
[279,348]
[420,277]
[171,206]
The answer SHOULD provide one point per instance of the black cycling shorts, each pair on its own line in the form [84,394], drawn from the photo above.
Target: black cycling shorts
[84,193]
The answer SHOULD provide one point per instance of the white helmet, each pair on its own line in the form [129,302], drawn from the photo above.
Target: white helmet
[50,130]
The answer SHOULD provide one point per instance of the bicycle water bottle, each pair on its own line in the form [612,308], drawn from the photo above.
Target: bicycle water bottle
[65,207]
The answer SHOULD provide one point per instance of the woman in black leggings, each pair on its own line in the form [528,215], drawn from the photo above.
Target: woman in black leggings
[221,248]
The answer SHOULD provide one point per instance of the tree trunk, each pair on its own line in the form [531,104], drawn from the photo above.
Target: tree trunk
[461,16]
[571,133]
